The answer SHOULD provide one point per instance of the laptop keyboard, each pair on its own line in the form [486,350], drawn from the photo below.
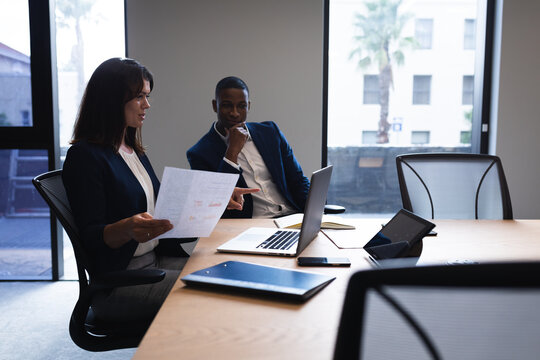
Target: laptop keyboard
[282,240]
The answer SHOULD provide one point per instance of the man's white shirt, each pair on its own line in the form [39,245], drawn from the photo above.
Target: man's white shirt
[269,202]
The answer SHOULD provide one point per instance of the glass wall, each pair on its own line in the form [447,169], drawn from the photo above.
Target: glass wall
[87,33]
[400,80]
[25,231]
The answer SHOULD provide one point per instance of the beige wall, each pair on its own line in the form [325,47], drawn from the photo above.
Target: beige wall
[518,115]
[276,46]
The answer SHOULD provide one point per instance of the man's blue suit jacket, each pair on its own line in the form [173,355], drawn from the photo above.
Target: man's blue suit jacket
[208,153]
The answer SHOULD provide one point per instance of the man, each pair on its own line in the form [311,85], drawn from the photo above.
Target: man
[258,152]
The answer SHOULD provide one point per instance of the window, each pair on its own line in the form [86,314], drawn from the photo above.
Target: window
[468,89]
[371,89]
[421,89]
[25,248]
[469,34]
[80,49]
[369,137]
[420,137]
[465,137]
[25,229]
[15,79]
[80,30]
[379,75]
[423,33]
[31,247]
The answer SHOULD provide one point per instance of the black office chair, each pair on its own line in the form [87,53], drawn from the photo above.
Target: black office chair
[454,186]
[480,311]
[85,329]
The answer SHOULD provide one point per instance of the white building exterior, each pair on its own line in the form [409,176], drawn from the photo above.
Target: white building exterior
[442,121]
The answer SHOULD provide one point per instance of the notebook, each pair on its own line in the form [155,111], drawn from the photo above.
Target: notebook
[287,242]
[267,280]
[294,221]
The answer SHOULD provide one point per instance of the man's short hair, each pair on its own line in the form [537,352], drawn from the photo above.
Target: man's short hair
[230,82]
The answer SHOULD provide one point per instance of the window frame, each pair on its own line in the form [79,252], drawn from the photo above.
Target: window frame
[43,134]
[42,67]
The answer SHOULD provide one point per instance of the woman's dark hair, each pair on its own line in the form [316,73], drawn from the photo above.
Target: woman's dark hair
[230,82]
[101,117]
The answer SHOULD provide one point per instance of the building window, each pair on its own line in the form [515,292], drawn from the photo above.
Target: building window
[421,89]
[469,34]
[419,137]
[465,137]
[468,90]
[25,116]
[369,137]
[371,89]
[423,33]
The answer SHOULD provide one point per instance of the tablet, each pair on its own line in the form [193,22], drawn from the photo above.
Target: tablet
[398,236]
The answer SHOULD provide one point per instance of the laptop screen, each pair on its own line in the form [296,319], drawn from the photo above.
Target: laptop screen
[313,212]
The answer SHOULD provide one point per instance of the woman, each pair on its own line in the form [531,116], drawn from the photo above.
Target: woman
[112,189]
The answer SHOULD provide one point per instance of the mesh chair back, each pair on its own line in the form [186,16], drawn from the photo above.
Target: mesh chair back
[454,186]
[85,330]
[481,311]
[51,188]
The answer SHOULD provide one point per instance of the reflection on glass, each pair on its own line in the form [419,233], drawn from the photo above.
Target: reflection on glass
[15,82]
[400,80]
[25,241]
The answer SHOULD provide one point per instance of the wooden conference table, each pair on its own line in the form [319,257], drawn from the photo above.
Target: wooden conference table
[204,324]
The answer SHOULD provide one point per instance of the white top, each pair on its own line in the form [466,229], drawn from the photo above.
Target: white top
[137,168]
[269,202]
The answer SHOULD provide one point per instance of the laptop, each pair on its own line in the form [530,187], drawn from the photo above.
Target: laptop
[245,277]
[287,242]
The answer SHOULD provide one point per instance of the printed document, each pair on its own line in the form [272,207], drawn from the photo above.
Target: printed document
[193,200]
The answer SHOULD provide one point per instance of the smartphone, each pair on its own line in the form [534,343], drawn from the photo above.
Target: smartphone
[323,261]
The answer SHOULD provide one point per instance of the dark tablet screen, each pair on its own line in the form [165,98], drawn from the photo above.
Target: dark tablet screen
[398,235]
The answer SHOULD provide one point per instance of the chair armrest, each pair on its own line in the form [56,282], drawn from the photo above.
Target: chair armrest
[173,247]
[179,240]
[127,278]
[333,209]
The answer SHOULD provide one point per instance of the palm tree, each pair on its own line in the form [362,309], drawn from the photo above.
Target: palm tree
[75,11]
[381,43]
